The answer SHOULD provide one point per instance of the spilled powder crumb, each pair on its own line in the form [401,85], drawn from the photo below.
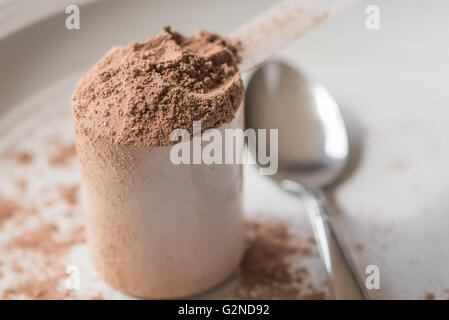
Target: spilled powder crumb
[21,184]
[265,272]
[7,209]
[430,296]
[47,288]
[22,157]
[75,236]
[311,239]
[44,280]
[68,193]
[63,155]
[39,239]
[43,239]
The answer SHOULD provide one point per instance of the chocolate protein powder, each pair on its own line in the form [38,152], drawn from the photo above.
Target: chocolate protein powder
[139,93]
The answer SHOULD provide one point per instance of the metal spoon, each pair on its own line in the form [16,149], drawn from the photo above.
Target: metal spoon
[312,151]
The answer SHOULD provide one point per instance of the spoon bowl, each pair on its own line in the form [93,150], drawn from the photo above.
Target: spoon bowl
[313,143]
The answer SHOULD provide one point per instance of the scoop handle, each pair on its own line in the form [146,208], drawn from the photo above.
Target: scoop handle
[280,24]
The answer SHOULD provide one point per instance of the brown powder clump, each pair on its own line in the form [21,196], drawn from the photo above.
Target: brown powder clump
[265,272]
[44,281]
[138,94]
[7,209]
[430,296]
[63,155]
[42,289]
[39,239]
[68,193]
[22,157]
[21,184]
[75,236]
[43,239]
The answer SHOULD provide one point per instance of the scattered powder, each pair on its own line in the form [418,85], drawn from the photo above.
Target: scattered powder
[44,289]
[68,193]
[75,236]
[317,295]
[38,239]
[42,239]
[44,280]
[447,292]
[311,239]
[22,157]
[16,267]
[305,250]
[430,296]
[21,184]
[265,272]
[24,213]
[7,209]
[63,155]
[69,214]
[138,94]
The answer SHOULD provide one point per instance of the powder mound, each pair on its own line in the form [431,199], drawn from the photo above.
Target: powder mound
[139,93]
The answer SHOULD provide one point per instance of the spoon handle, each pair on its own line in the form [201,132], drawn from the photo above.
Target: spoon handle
[345,281]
